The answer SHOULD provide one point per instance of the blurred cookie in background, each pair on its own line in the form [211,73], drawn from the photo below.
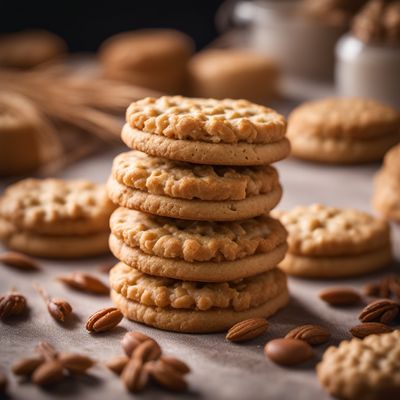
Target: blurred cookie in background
[386,198]
[233,73]
[152,58]
[27,138]
[27,49]
[343,130]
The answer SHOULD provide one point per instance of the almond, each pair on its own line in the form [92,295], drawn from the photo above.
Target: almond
[176,364]
[149,350]
[247,329]
[117,364]
[104,320]
[85,283]
[369,328]
[312,334]
[340,296]
[131,340]
[134,376]
[48,373]
[75,362]
[288,351]
[166,376]
[19,261]
[383,310]
[26,366]
[12,304]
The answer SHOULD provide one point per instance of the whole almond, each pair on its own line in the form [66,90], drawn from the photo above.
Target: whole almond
[12,304]
[247,329]
[104,320]
[176,364]
[288,351]
[134,376]
[85,283]
[46,350]
[19,261]
[166,376]
[369,328]
[75,362]
[117,364]
[383,310]
[26,366]
[149,350]
[59,309]
[131,340]
[48,373]
[312,334]
[3,383]
[340,296]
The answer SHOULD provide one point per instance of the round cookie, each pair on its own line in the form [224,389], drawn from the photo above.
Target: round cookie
[152,58]
[196,251]
[367,369]
[234,74]
[386,198]
[328,242]
[199,210]
[176,179]
[343,130]
[195,307]
[52,217]
[30,48]
[206,131]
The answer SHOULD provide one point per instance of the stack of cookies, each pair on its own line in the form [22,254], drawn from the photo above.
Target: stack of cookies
[197,249]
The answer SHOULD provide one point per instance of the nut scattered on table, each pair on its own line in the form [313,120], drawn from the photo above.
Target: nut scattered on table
[384,311]
[340,296]
[104,320]
[288,352]
[369,328]
[247,330]
[312,334]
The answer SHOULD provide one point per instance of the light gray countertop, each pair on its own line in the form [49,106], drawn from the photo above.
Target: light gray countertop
[221,370]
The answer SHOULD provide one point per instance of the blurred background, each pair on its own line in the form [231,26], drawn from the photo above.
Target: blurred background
[68,70]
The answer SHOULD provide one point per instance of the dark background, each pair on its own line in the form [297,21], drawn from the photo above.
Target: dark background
[85,24]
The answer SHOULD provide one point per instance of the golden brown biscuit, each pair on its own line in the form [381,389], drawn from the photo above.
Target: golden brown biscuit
[153,58]
[343,130]
[367,369]
[331,242]
[233,73]
[53,213]
[30,48]
[230,210]
[386,198]
[192,306]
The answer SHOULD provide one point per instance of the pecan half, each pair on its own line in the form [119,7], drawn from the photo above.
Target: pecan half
[26,366]
[166,376]
[131,340]
[104,320]
[247,329]
[369,328]
[312,334]
[12,304]
[149,350]
[48,373]
[134,376]
[384,311]
[117,364]
[176,364]
[75,362]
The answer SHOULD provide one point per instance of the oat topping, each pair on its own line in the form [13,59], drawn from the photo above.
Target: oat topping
[189,181]
[208,120]
[197,241]
[322,230]
[163,292]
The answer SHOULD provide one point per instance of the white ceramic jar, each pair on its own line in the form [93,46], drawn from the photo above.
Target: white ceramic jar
[368,70]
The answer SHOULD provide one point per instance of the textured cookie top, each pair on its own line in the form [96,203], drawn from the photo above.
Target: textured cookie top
[196,241]
[57,207]
[190,181]
[344,117]
[322,230]
[363,369]
[164,292]
[146,49]
[207,120]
